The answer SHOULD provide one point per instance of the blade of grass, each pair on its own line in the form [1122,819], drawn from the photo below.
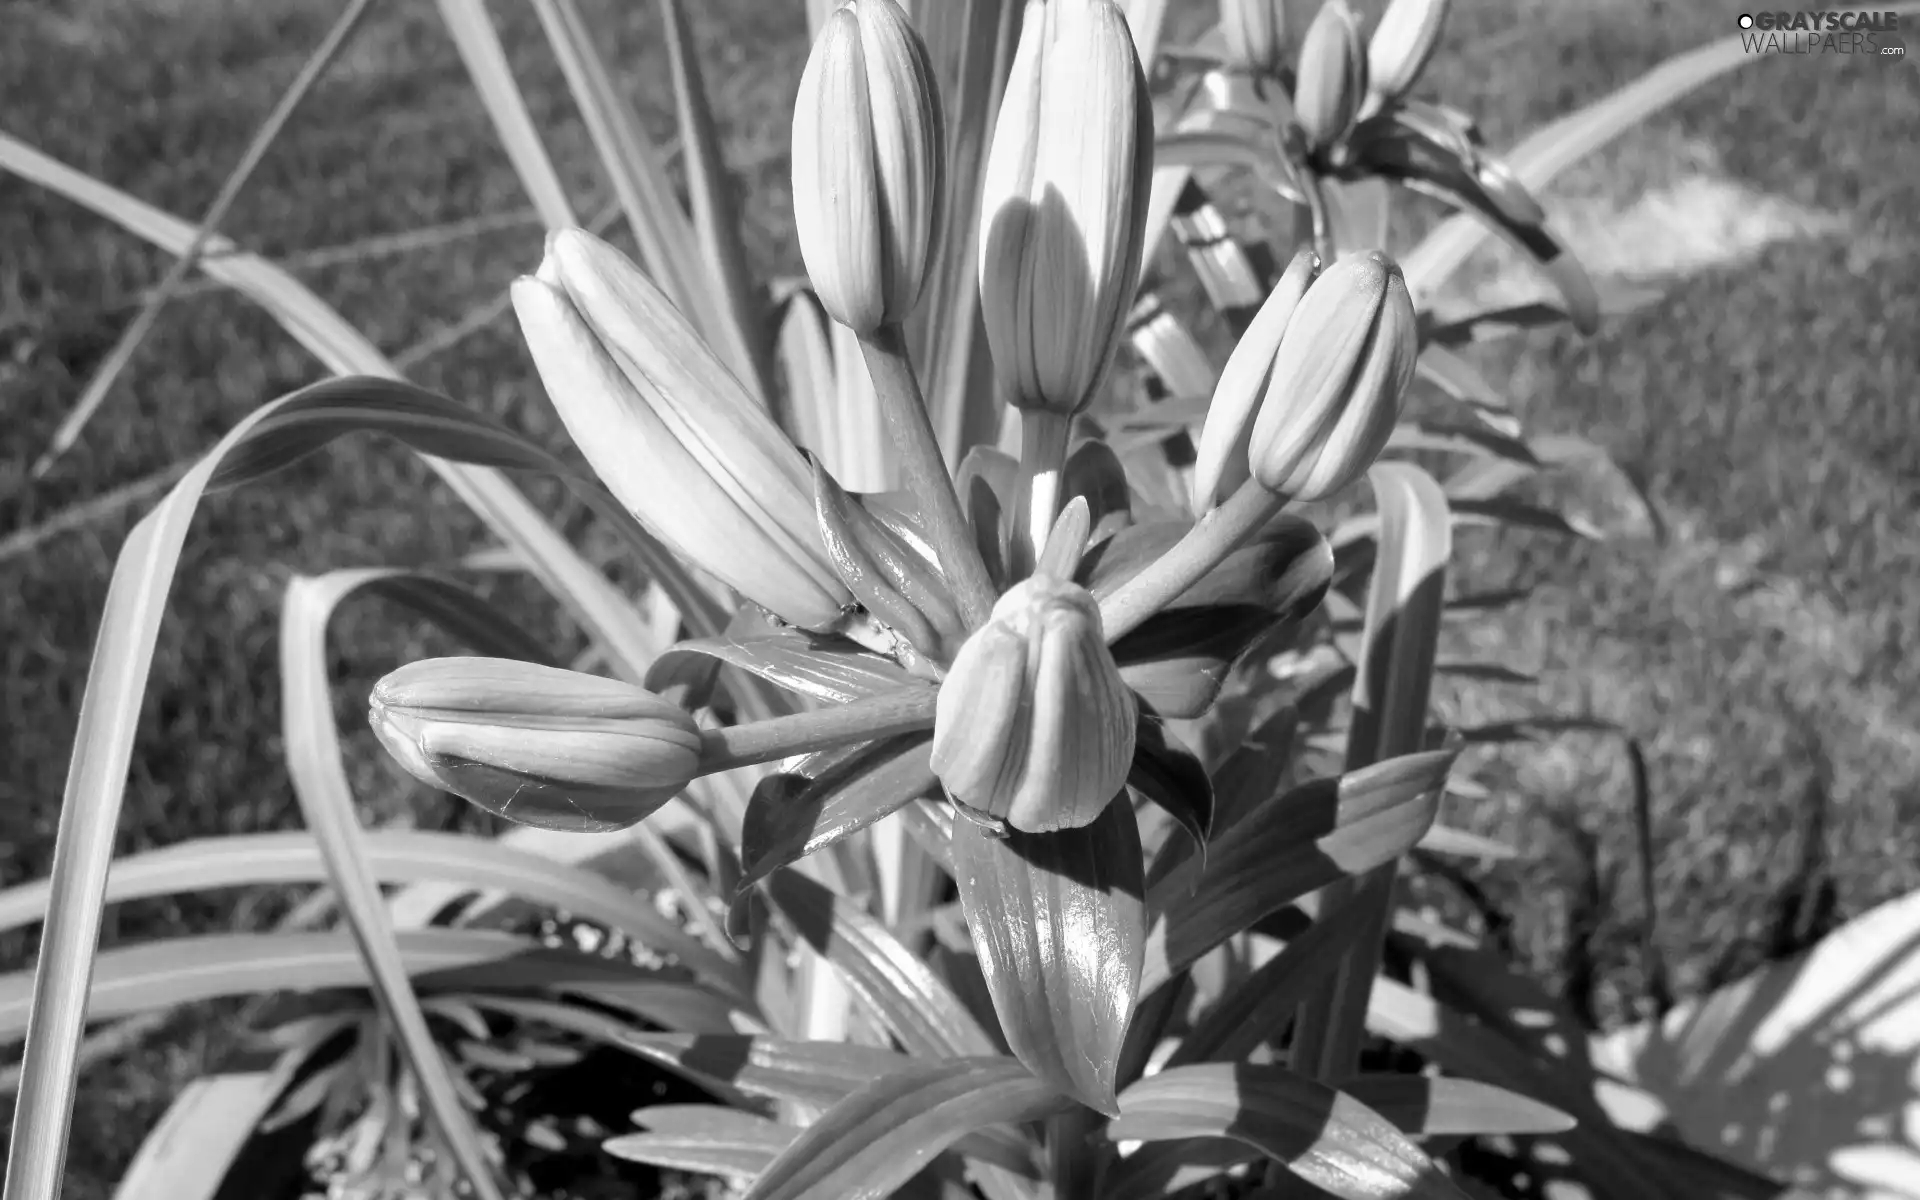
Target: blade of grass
[108,373]
[1390,698]
[474,35]
[716,217]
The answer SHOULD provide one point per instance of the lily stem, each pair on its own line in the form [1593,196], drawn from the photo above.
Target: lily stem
[1214,536]
[924,471]
[1043,458]
[908,710]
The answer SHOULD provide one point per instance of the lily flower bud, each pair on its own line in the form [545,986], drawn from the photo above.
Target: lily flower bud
[1332,80]
[538,745]
[1255,32]
[672,433]
[1064,204]
[1402,43]
[1342,369]
[869,165]
[1033,725]
[1220,460]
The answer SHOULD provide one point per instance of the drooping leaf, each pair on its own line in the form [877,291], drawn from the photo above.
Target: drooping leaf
[830,797]
[879,1137]
[899,988]
[1317,833]
[1325,1138]
[1058,922]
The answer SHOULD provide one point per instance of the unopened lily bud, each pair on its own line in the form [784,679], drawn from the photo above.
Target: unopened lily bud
[1402,43]
[1220,460]
[1034,725]
[1064,204]
[538,745]
[1331,82]
[1338,379]
[1255,32]
[869,165]
[672,433]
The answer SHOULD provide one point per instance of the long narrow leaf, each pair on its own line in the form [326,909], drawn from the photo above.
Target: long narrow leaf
[705,1139]
[479,45]
[1325,1138]
[187,1156]
[879,1137]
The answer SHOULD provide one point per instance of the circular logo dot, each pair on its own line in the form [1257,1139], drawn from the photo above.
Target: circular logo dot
[1746,21]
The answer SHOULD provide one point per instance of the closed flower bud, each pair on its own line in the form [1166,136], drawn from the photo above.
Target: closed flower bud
[1255,32]
[1033,725]
[1402,43]
[869,165]
[672,433]
[1332,80]
[1220,460]
[1342,369]
[538,745]
[1064,204]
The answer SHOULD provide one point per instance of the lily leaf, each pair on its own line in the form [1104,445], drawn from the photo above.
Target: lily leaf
[816,1074]
[902,991]
[703,1138]
[828,669]
[1426,1107]
[1059,925]
[1326,1139]
[1170,775]
[1315,834]
[827,798]
[879,1137]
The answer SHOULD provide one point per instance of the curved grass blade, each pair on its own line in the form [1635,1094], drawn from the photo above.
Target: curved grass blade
[703,1138]
[1325,1138]
[879,1137]
[1059,923]
[1296,843]
[396,856]
[1423,1106]
[174,971]
[899,988]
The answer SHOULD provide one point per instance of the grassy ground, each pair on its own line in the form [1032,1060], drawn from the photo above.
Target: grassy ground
[1766,395]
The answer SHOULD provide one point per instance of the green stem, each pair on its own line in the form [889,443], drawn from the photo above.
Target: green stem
[924,471]
[1043,460]
[1317,211]
[908,710]
[1214,536]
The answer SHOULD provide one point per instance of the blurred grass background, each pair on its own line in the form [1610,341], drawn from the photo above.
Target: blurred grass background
[1758,635]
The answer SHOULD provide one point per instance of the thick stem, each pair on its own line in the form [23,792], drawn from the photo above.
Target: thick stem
[887,715]
[1043,460]
[1212,538]
[924,471]
[1317,211]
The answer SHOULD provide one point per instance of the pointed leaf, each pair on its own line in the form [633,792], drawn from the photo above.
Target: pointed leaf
[703,1138]
[879,1137]
[828,798]
[1058,922]
[1423,1106]
[204,1131]
[1167,773]
[1326,1139]
[1315,834]
[901,990]
[816,1074]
